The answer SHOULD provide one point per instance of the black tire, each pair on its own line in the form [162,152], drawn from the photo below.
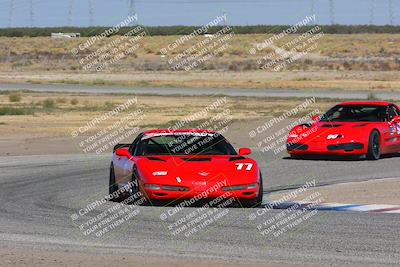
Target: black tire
[253,203]
[135,182]
[113,187]
[374,146]
[135,189]
[260,192]
[295,156]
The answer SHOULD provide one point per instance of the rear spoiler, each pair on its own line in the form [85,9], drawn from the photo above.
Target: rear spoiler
[120,146]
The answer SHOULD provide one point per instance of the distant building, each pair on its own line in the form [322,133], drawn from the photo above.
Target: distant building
[65,35]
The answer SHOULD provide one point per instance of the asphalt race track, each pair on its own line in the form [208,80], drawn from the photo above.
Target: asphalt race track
[40,193]
[233,92]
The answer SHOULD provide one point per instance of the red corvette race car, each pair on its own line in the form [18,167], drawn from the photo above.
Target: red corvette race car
[169,166]
[353,128]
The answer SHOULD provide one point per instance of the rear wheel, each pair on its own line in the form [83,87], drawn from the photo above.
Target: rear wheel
[113,187]
[374,146]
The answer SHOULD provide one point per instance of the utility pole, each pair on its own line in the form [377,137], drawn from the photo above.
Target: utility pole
[11,14]
[91,14]
[132,10]
[31,14]
[225,18]
[372,13]
[391,12]
[312,9]
[332,12]
[70,10]
[131,7]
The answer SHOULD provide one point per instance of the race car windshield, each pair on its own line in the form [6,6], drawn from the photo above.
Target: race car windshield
[355,113]
[185,144]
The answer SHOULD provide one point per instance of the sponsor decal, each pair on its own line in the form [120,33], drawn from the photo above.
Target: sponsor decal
[392,130]
[150,135]
[246,166]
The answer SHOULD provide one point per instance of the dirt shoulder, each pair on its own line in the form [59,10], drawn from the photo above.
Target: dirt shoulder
[50,258]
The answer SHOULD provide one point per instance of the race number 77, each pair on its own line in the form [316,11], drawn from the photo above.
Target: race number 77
[241,165]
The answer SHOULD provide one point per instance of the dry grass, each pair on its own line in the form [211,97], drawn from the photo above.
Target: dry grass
[334,52]
[334,45]
[354,61]
[160,111]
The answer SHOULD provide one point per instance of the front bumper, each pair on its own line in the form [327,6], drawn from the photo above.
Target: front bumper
[198,195]
[335,148]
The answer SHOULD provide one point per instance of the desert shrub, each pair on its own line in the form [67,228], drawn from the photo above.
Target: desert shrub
[61,100]
[49,103]
[16,111]
[15,97]
[109,104]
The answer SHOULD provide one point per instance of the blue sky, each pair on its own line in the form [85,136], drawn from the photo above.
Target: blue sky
[197,12]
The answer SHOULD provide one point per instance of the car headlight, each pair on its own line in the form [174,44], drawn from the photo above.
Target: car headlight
[334,136]
[152,186]
[252,186]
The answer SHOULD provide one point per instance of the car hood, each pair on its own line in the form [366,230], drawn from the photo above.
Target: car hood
[321,130]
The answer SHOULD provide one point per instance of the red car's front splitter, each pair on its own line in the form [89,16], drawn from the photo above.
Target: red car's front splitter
[327,149]
[198,195]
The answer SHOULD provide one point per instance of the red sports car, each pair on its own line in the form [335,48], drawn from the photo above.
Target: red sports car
[167,165]
[353,128]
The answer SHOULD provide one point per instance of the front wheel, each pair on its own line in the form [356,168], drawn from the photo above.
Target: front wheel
[374,146]
[136,196]
[296,156]
[253,203]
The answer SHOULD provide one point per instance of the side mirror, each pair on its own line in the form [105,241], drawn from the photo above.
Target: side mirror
[121,152]
[315,118]
[244,151]
[396,119]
